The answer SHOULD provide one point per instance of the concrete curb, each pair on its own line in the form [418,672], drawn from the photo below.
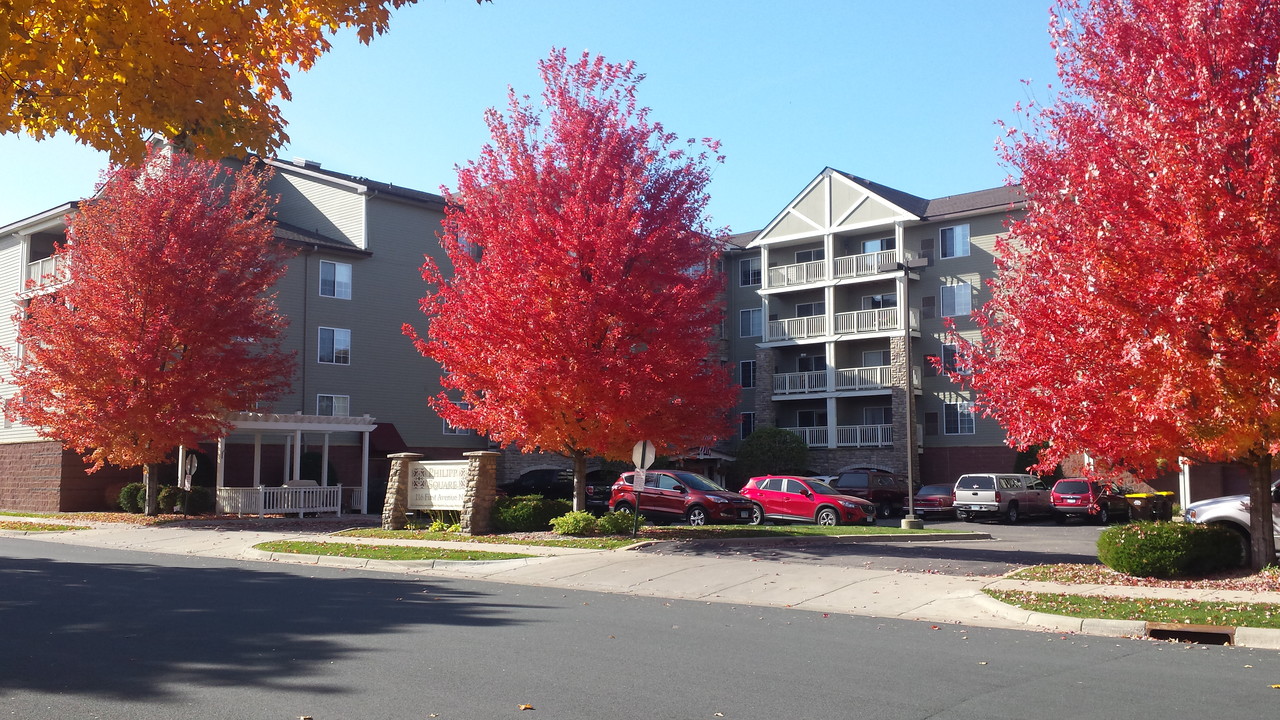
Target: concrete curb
[381,565]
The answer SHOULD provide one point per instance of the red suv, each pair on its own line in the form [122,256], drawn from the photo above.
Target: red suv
[677,494]
[1082,497]
[788,498]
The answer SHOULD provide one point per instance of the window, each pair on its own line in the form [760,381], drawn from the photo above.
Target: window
[335,346]
[811,418]
[875,358]
[811,309]
[748,271]
[333,405]
[877,302]
[957,419]
[335,280]
[451,430]
[949,358]
[749,324]
[804,256]
[871,246]
[877,415]
[954,241]
[811,363]
[956,299]
[746,424]
[747,373]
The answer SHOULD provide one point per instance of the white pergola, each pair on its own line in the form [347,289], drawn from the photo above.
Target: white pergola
[292,427]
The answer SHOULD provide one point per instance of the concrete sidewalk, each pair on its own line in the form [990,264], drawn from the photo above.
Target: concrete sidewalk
[943,599]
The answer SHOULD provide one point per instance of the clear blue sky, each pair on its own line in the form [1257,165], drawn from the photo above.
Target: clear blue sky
[905,93]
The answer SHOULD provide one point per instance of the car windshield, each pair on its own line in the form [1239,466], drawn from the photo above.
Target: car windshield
[698,482]
[935,490]
[822,488]
[1071,486]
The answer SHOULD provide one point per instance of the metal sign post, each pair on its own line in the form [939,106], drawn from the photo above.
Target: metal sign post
[642,455]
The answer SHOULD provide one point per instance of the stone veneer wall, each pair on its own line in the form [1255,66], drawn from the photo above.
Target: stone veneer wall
[766,364]
[905,447]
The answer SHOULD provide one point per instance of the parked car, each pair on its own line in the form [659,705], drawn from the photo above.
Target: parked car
[935,500]
[790,498]
[678,494]
[887,491]
[1007,496]
[1232,512]
[1085,498]
[599,491]
[550,484]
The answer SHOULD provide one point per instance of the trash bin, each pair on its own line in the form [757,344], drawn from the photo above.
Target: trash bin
[1140,506]
[1162,506]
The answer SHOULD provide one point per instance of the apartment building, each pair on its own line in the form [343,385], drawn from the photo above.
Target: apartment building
[837,310]
[360,388]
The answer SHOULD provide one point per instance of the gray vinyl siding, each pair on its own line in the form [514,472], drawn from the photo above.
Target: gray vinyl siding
[323,206]
[740,297]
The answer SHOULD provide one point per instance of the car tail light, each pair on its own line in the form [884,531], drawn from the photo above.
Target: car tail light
[997,496]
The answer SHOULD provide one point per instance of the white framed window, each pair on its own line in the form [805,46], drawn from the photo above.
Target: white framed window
[333,405]
[748,271]
[804,256]
[746,424]
[957,299]
[957,418]
[878,302]
[811,309]
[811,363]
[747,373]
[811,418]
[875,358]
[954,241]
[451,430]
[335,346]
[750,323]
[335,280]
[950,363]
[880,415]
[878,245]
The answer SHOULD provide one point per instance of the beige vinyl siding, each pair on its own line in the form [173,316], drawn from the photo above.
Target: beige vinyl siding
[326,207]
[11,273]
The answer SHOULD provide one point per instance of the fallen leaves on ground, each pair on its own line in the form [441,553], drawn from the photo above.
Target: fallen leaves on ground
[1267,580]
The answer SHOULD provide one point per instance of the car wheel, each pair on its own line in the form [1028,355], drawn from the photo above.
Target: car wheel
[696,515]
[622,508]
[757,514]
[1103,516]
[827,516]
[1011,515]
[1060,518]
[885,509]
[963,515]
[1246,546]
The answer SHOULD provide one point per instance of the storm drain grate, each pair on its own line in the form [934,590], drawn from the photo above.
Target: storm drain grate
[1198,634]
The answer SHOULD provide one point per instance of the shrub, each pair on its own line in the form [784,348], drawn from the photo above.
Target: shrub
[615,523]
[527,513]
[1166,549]
[199,501]
[132,497]
[579,522]
[170,497]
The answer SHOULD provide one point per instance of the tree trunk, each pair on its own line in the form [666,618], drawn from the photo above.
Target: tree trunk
[1262,540]
[579,480]
[153,491]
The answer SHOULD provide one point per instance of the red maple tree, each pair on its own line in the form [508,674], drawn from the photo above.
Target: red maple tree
[1136,311]
[166,322]
[580,310]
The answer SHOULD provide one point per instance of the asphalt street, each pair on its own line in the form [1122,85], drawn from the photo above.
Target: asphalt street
[97,633]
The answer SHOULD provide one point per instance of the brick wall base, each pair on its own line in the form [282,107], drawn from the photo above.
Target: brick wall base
[943,465]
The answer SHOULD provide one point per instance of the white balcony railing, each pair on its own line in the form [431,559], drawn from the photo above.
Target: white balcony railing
[798,274]
[871,321]
[865,264]
[813,436]
[49,271]
[799,382]
[797,328]
[864,436]
[864,378]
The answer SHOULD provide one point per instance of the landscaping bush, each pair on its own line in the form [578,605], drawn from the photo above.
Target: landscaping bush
[133,497]
[169,498]
[199,501]
[615,523]
[1167,549]
[527,513]
[579,522]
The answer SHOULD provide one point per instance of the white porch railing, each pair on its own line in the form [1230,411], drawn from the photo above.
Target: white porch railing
[797,328]
[49,271]
[813,436]
[864,378]
[798,274]
[799,382]
[865,264]
[864,435]
[280,500]
[870,321]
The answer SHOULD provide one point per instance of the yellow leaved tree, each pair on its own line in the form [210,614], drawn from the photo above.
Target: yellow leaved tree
[206,74]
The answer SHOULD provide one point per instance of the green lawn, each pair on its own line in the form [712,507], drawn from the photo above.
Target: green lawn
[1228,614]
[35,527]
[381,552]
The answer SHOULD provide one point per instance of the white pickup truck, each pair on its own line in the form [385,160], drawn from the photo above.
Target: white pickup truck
[1008,496]
[1232,512]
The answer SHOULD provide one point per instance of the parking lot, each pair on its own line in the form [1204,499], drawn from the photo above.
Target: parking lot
[1030,542]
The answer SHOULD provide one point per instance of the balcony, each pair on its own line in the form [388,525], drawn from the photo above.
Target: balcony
[847,379]
[856,436]
[848,266]
[798,274]
[846,323]
[796,328]
[851,266]
[43,273]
